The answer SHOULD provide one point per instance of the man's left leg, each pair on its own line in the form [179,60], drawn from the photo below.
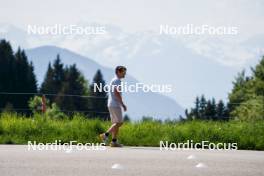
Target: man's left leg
[104,136]
[115,131]
[114,142]
[117,120]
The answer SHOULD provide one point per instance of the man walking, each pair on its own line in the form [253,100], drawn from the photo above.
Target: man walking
[115,103]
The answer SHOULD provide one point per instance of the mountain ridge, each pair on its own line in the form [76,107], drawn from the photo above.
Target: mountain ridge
[139,104]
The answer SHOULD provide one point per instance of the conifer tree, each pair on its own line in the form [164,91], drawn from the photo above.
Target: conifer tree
[99,103]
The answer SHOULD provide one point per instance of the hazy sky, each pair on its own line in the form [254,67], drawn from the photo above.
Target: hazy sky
[132,16]
[145,15]
[136,15]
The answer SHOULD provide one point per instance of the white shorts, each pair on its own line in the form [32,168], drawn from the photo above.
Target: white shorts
[115,114]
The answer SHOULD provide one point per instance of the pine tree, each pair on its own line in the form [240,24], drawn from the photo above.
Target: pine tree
[197,108]
[74,84]
[58,74]
[227,112]
[208,110]
[32,80]
[54,78]
[99,102]
[7,74]
[47,85]
[69,85]
[202,107]
[213,111]
[25,80]
[220,110]
[16,75]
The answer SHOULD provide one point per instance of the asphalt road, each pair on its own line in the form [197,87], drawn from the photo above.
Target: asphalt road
[18,161]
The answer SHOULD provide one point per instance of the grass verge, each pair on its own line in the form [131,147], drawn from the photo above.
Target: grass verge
[17,129]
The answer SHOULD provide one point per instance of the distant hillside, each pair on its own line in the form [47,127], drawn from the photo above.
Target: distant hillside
[139,104]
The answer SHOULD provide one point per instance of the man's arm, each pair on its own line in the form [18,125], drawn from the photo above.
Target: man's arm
[119,98]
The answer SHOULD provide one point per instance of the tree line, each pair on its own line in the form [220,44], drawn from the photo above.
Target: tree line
[245,101]
[63,85]
[208,110]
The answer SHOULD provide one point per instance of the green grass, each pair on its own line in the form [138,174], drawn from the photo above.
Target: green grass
[16,129]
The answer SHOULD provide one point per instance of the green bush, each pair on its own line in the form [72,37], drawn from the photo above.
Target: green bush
[252,109]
